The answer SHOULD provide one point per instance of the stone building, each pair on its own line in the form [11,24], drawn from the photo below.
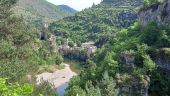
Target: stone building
[90,47]
[81,53]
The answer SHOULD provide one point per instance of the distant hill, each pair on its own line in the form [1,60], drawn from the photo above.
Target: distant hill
[67,9]
[38,11]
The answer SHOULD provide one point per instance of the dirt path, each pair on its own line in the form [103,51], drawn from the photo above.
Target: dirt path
[58,77]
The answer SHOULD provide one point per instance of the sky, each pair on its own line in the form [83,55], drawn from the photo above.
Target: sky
[76,4]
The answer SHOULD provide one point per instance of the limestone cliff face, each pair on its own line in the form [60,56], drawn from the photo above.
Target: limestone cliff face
[162,59]
[159,13]
[128,84]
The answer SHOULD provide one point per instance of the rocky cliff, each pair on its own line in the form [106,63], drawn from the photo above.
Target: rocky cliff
[162,59]
[159,13]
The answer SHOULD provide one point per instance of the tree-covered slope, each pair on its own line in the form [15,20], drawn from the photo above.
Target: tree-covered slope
[39,10]
[123,2]
[136,60]
[21,54]
[98,23]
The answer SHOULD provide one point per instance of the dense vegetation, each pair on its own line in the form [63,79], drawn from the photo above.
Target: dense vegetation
[142,46]
[136,41]
[150,2]
[14,90]
[99,23]
[126,57]
[21,50]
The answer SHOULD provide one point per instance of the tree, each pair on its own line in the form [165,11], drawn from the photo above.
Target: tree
[150,34]
[6,20]
[14,40]
[149,65]
[75,91]
[71,44]
[91,90]
[107,85]
[45,89]
[15,89]
[149,2]
[59,59]
[110,64]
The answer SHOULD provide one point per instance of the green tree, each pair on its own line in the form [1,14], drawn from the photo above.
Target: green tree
[45,89]
[14,43]
[59,59]
[91,90]
[149,2]
[71,44]
[75,91]
[14,89]
[149,65]
[107,85]
[110,64]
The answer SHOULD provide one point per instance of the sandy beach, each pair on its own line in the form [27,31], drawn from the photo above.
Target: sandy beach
[58,77]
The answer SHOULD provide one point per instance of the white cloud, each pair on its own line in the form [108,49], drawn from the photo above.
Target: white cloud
[76,4]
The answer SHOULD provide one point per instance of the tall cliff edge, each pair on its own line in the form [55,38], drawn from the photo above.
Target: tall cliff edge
[158,13]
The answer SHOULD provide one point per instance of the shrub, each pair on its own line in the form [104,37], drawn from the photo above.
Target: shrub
[149,65]
[15,89]
[59,59]
[45,89]
[71,44]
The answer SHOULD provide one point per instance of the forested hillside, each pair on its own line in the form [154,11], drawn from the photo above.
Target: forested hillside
[99,23]
[123,2]
[130,55]
[21,54]
[40,11]
[134,63]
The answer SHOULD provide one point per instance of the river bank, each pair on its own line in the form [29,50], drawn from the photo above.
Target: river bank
[57,78]
[75,65]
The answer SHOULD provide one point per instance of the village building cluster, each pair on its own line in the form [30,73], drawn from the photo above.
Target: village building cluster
[82,53]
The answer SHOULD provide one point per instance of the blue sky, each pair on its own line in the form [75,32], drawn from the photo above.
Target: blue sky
[76,4]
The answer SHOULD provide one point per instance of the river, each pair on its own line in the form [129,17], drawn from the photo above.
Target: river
[60,78]
[61,89]
[76,67]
